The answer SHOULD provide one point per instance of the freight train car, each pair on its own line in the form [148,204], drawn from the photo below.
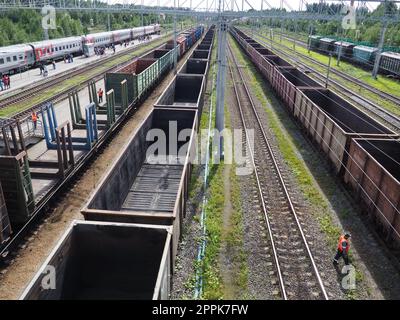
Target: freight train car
[152,188]
[390,63]
[107,261]
[144,187]
[333,122]
[289,81]
[141,74]
[363,152]
[136,211]
[314,42]
[373,173]
[359,54]
[327,45]
[5,226]
[344,48]
[364,55]
[31,176]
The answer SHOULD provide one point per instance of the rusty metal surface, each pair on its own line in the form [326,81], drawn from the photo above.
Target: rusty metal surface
[337,127]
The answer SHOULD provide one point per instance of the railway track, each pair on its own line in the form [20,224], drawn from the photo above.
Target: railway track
[384,95]
[58,79]
[297,272]
[377,111]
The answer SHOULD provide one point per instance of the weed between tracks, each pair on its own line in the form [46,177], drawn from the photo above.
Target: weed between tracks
[224,238]
[234,236]
[289,149]
[212,282]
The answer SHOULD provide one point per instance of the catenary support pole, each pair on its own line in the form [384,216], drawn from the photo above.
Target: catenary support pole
[329,71]
[176,54]
[380,47]
[221,61]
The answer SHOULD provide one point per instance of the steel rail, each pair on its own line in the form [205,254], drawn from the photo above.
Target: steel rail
[281,180]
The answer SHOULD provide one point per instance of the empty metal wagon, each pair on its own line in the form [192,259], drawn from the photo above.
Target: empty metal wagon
[288,80]
[5,226]
[373,172]
[106,261]
[148,182]
[333,122]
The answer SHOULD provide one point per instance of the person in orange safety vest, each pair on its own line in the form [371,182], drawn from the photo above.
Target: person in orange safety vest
[34,120]
[343,249]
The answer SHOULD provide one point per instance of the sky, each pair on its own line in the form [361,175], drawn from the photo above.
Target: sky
[295,4]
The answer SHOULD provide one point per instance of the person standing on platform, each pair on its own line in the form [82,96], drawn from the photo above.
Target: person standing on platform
[8,82]
[100,94]
[5,82]
[34,120]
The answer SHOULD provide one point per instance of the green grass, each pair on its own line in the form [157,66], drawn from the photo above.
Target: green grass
[213,289]
[74,81]
[288,146]
[383,84]
[235,236]
[212,281]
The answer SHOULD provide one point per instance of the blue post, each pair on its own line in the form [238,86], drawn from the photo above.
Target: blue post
[91,124]
[96,134]
[49,124]
[89,137]
[45,127]
[52,120]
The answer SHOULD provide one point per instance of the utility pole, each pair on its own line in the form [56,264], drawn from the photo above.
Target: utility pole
[329,70]
[340,49]
[141,6]
[221,75]
[380,47]
[46,33]
[176,54]
[309,39]
[270,36]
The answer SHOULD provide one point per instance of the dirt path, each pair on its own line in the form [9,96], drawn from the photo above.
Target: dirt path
[23,267]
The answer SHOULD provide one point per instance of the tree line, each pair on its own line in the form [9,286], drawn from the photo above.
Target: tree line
[25,25]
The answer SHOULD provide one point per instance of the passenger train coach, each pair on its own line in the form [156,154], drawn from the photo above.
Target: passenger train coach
[20,57]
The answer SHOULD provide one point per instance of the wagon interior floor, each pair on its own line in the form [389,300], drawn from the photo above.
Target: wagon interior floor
[154,189]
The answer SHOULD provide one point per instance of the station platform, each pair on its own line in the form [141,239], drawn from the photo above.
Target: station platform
[22,80]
